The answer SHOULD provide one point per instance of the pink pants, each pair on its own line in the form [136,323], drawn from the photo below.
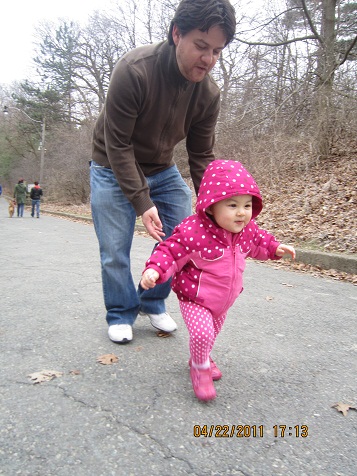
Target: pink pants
[203,329]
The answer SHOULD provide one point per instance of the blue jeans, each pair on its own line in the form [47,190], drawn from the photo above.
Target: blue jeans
[35,204]
[20,209]
[114,220]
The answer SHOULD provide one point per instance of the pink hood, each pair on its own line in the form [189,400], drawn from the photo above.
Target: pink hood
[205,260]
[224,179]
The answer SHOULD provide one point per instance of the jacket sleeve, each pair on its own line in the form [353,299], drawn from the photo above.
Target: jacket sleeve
[169,257]
[124,100]
[264,244]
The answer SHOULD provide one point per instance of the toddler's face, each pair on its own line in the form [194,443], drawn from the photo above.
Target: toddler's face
[232,214]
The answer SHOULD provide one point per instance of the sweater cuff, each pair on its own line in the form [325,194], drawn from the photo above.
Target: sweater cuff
[142,204]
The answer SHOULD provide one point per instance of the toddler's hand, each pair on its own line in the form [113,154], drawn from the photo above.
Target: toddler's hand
[283,249]
[149,278]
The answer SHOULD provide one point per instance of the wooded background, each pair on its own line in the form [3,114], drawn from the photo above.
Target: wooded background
[288,90]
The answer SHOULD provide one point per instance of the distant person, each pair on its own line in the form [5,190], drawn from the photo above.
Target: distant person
[206,257]
[0,189]
[159,94]
[20,197]
[35,195]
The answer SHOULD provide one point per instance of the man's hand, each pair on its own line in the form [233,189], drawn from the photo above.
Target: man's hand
[149,278]
[152,223]
[283,249]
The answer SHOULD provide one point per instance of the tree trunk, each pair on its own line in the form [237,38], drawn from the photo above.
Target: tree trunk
[326,68]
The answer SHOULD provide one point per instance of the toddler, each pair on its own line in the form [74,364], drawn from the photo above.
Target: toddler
[206,257]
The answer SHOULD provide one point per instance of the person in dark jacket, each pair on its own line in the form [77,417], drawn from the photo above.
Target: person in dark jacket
[35,195]
[159,94]
[20,197]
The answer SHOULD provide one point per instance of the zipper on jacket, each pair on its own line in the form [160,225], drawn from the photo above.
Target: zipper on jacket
[233,272]
[171,116]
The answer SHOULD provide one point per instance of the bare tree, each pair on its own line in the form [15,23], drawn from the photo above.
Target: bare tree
[322,23]
[101,47]
[287,81]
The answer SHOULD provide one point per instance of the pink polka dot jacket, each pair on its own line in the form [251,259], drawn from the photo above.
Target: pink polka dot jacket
[205,260]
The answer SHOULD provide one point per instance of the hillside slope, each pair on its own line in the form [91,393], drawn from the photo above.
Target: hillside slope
[314,209]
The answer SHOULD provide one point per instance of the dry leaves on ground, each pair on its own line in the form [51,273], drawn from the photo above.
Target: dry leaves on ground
[312,270]
[44,376]
[319,205]
[107,359]
[163,334]
[343,407]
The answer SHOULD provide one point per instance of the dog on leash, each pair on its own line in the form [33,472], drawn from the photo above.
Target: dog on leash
[12,204]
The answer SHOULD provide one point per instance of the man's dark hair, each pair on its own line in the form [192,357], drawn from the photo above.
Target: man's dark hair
[202,15]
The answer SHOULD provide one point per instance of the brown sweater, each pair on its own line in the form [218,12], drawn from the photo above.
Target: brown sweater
[150,107]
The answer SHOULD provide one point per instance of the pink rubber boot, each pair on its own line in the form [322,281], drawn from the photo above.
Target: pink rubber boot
[202,383]
[216,373]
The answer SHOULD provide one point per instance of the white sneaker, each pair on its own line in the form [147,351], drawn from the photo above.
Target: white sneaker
[163,322]
[120,333]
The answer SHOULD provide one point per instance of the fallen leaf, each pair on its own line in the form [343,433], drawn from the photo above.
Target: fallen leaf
[107,359]
[163,334]
[75,372]
[343,407]
[45,376]
[269,298]
[287,285]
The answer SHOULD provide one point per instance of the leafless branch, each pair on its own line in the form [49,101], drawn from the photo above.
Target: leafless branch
[281,43]
[354,42]
[311,24]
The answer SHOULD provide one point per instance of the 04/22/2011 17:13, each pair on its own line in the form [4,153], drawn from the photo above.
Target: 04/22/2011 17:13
[249,431]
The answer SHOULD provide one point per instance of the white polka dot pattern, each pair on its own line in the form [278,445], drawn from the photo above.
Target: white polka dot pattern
[223,179]
[203,329]
[206,261]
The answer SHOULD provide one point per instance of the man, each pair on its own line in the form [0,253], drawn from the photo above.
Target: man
[35,195]
[158,95]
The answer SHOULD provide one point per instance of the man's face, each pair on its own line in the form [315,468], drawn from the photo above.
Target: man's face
[197,52]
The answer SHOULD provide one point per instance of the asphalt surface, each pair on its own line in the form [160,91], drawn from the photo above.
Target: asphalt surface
[288,352]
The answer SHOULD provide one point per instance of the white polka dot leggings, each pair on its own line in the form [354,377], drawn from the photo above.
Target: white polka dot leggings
[203,328]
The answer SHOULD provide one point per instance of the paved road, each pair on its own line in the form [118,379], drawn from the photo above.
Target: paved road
[288,352]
